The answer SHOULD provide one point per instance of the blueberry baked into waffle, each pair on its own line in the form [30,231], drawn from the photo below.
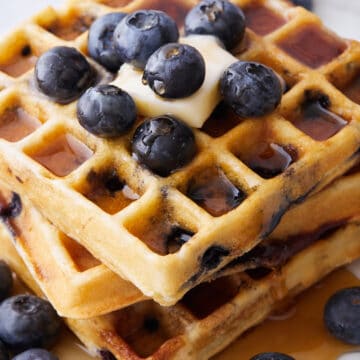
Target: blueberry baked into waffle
[166,187]
[69,268]
[213,314]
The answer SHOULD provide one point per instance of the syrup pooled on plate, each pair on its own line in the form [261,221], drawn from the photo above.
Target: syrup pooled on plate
[62,155]
[16,123]
[312,46]
[20,63]
[262,20]
[214,192]
[317,121]
[300,331]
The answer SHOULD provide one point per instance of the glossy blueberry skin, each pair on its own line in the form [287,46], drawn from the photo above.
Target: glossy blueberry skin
[100,42]
[272,356]
[141,33]
[63,74]
[251,89]
[175,71]
[342,315]
[36,354]
[6,280]
[27,321]
[3,352]
[106,111]
[220,18]
[307,4]
[163,144]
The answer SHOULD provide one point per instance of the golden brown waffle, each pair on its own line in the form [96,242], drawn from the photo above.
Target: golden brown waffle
[68,268]
[191,330]
[129,231]
[92,289]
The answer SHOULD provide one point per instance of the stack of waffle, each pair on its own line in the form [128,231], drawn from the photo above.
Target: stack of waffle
[107,260]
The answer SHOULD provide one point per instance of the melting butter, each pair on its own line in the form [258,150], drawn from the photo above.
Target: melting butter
[195,109]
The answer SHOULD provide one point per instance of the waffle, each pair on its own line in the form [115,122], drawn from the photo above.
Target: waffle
[202,324]
[62,168]
[69,268]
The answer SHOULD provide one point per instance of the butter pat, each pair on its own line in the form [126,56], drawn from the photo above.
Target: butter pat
[195,109]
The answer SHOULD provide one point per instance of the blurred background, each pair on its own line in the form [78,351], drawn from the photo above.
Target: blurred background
[340,15]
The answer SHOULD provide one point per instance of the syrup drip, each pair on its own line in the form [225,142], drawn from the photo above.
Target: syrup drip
[143,328]
[16,123]
[109,193]
[177,9]
[161,235]
[221,121]
[63,155]
[214,192]
[352,89]
[312,46]
[318,122]
[83,260]
[20,63]
[70,31]
[205,298]
[116,3]
[269,159]
[262,20]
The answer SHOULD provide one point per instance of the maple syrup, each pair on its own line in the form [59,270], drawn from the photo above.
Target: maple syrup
[81,257]
[62,155]
[269,159]
[115,3]
[214,192]
[70,30]
[145,328]
[177,9]
[206,298]
[352,89]
[161,235]
[262,20]
[108,192]
[300,332]
[315,120]
[222,120]
[16,123]
[312,46]
[20,63]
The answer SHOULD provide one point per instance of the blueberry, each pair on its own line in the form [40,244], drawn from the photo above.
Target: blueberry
[220,18]
[100,43]
[28,321]
[342,315]
[141,33]
[250,88]
[63,74]
[106,111]
[36,354]
[307,4]
[6,280]
[3,352]
[175,71]
[163,144]
[272,356]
